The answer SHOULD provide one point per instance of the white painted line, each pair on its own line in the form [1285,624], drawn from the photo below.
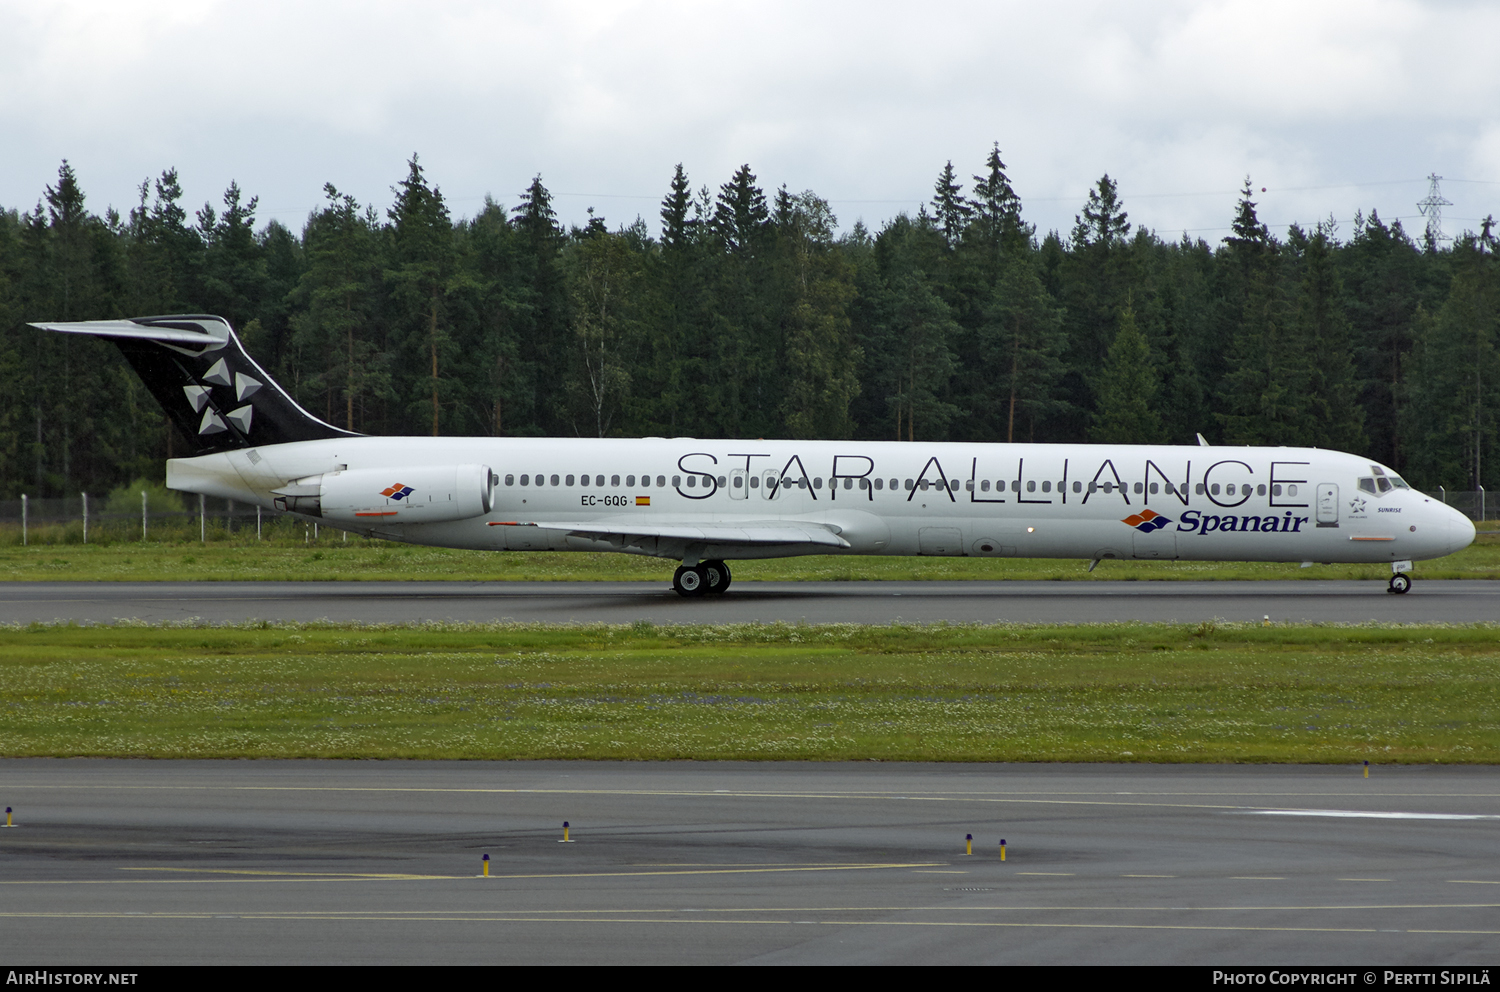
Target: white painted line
[1372,815]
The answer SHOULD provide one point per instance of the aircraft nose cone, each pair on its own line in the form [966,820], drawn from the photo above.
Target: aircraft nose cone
[1461,530]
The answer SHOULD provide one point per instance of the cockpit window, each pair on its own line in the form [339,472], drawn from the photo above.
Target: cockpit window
[1381,482]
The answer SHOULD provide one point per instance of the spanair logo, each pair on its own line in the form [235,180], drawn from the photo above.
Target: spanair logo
[1146,521]
[396,492]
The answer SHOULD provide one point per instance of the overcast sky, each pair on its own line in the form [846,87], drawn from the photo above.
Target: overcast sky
[1332,106]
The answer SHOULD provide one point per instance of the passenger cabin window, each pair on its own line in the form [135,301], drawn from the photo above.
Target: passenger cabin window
[661,480]
[614,480]
[554,480]
[510,480]
[525,479]
[1078,487]
[676,481]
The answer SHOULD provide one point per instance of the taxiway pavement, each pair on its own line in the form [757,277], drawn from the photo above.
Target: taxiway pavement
[166,862]
[1437,601]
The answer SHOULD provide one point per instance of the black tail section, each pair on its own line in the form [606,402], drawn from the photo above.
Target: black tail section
[201,375]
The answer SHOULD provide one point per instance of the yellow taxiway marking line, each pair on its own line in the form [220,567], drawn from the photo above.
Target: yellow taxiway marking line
[292,874]
[1471,881]
[1059,874]
[937,871]
[1148,876]
[458,914]
[1367,880]
[1257,878]
[273,876]
[553,920]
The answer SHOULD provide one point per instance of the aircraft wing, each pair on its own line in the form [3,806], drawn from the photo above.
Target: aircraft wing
[738,532]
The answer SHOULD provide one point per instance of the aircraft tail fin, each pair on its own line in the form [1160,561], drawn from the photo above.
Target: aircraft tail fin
[216,394]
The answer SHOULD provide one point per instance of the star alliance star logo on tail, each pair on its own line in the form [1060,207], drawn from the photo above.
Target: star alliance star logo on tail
[396,492]
[1146,521]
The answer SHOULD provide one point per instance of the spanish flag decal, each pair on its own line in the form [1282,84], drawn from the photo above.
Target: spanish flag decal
[643,501]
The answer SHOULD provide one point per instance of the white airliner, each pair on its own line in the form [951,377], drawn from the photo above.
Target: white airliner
[707,502]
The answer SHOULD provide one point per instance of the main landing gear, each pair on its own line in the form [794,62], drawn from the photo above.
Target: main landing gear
[1400,581]
[704,577]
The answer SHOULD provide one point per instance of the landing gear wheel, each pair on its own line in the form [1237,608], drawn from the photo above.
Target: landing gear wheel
[690,582]
[1400,583]
[717,575]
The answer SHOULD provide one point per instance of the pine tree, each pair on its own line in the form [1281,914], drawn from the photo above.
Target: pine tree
[1267,382]
[951,210]
[1127,388]
[677,227]
[546,331]
[1021,347]
[1104,222]
[1453,416]
[422,253]
[1332,400]
[234,268]
[740,213]
[335,338]
[997,208]
[821,357]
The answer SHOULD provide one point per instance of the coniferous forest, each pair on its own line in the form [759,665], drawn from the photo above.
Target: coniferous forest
[743,313]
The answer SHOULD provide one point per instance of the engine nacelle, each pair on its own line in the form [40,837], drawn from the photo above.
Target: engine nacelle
[371,496]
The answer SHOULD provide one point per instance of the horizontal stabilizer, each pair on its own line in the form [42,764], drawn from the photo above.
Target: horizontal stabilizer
[129,329]
[746,532]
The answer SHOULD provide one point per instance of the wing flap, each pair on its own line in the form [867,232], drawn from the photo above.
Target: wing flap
[749,532]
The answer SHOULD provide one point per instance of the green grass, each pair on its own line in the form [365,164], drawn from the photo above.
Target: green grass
[971,693]
[239,557]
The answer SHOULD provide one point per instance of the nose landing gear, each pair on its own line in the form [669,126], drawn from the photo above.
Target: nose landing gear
[1400,581]
[705,577]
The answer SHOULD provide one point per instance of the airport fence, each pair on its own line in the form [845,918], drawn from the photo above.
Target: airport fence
[1472,503]
[91,519]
